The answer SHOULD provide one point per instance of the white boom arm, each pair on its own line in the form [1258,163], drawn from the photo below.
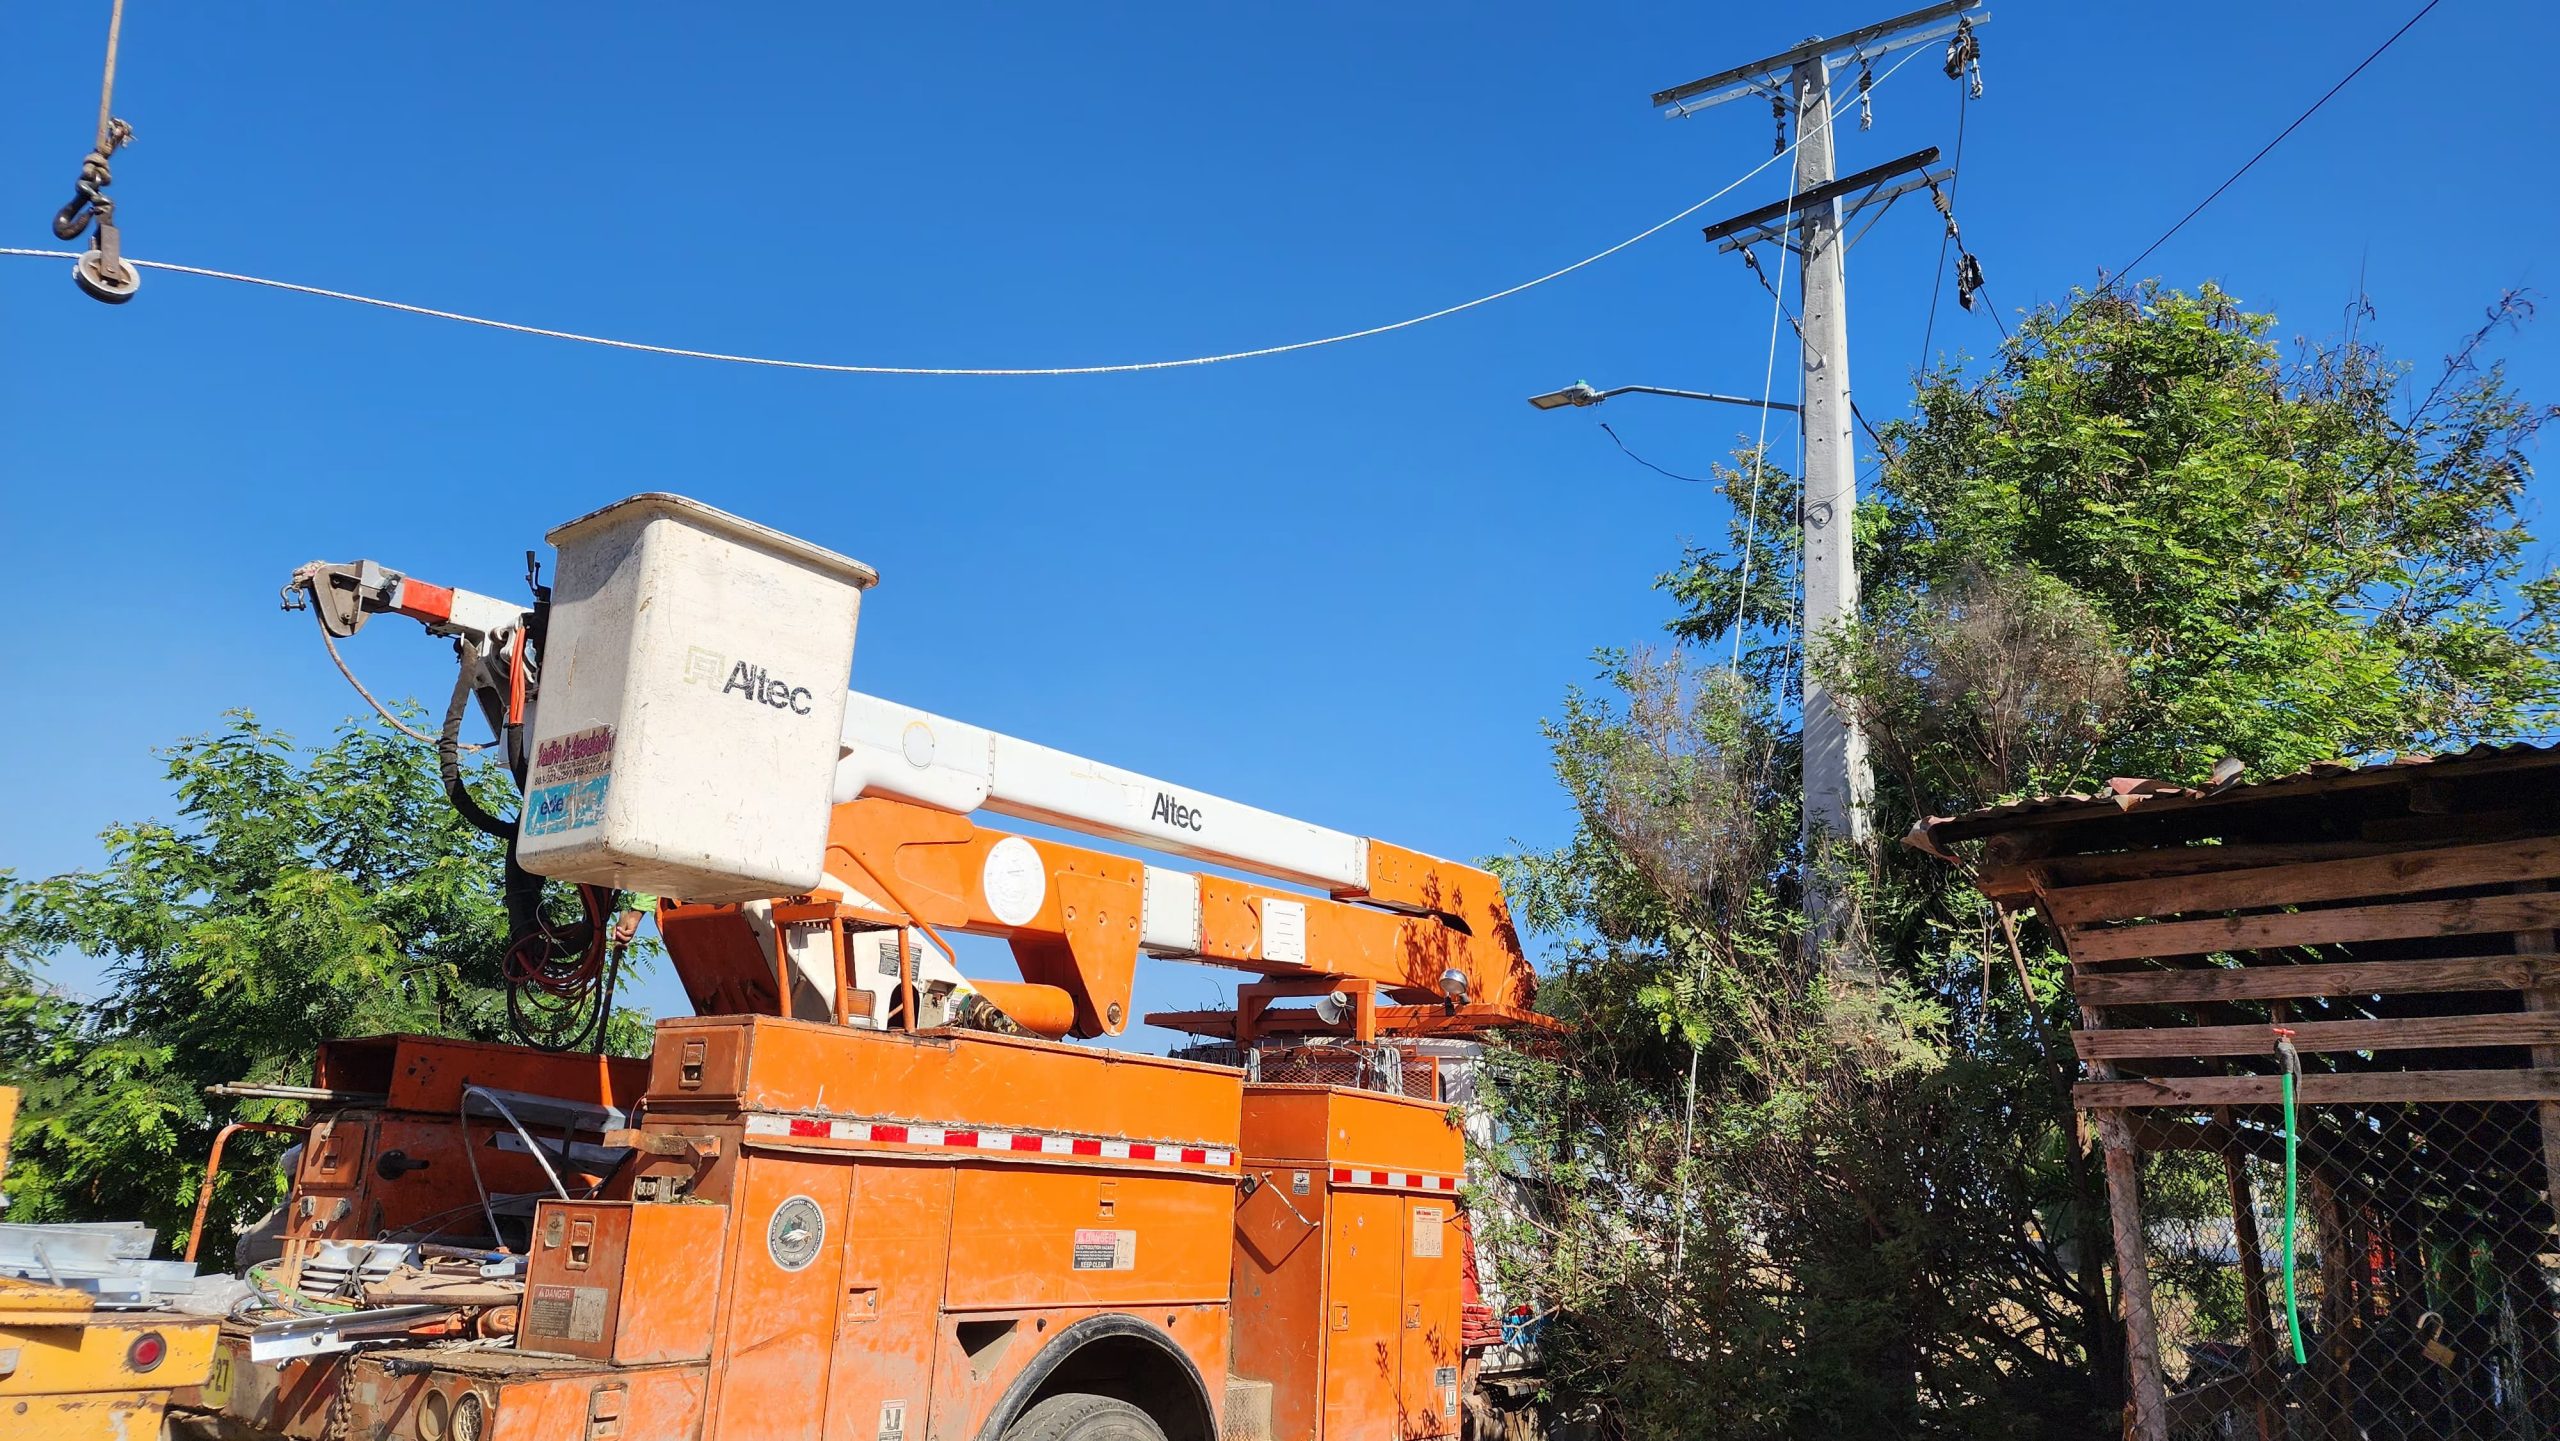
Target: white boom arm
[912,755]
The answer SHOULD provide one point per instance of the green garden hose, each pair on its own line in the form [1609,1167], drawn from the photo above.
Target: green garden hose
[2292,1206]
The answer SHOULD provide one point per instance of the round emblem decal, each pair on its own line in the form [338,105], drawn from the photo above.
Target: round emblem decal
[1014,881]
[796,1232]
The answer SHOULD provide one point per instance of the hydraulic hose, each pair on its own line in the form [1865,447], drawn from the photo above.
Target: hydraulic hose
[449,762]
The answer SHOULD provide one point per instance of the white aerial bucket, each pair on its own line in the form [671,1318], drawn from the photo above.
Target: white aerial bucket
[691,704]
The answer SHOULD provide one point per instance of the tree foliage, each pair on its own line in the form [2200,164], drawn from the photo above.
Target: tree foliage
[303,894]
[2146,539]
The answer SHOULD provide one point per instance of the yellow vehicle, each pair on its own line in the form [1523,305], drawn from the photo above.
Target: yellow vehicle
[70,1372]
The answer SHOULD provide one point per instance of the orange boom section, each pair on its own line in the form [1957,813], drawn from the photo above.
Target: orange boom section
[1429,932]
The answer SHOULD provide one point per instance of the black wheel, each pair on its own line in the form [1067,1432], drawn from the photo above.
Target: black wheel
[1077,1417]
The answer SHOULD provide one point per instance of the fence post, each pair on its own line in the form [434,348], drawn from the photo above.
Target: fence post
[2148,1396]
[2541,1392]
[2253,1280]
[2335,1351]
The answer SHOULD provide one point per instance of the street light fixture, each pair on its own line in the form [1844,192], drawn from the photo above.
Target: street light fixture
[1580,393]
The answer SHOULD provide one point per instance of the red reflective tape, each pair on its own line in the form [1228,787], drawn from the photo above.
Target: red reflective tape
[422,601]
[971,1139]
[1395,1180]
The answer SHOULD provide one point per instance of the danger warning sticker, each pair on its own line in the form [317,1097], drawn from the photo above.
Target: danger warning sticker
[1106,1250]
[571,1313]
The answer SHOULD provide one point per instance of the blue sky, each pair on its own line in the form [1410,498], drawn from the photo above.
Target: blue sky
[1344,584]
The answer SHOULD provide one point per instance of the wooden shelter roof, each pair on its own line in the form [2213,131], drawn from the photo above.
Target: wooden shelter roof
[2396,920]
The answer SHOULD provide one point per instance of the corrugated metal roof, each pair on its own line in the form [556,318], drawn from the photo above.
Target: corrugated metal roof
[2126,793]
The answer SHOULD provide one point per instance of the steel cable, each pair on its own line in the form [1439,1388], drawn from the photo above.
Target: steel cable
[832,368]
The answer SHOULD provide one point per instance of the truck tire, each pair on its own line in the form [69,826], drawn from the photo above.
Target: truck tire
[1079,1417]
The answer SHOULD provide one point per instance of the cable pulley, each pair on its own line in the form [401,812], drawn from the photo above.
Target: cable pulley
[103,272]
[1778,113]
[1964,58]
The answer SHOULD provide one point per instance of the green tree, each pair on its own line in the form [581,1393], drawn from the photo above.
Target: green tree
[2146,539]
[304,894]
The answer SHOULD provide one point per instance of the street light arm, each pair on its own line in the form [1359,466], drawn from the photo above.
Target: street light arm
[1697,395]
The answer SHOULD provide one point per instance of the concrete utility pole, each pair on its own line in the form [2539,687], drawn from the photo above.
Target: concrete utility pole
[1810,224]
[1837,790]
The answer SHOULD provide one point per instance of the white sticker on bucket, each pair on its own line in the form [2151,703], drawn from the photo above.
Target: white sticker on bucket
[565,790]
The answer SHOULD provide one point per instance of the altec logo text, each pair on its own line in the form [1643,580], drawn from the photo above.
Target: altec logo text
[1174,813]
[751,682]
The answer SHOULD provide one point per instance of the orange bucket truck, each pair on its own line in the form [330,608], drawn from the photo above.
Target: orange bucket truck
[862,1195]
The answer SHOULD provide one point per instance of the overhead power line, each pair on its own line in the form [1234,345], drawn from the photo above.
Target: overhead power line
[547,333]
[775,363]
[685,353]
[2263,150]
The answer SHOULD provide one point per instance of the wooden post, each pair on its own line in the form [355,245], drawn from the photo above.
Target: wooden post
[2253,1281]
[2149,1411]
[2544,995]
[2335,1351]
[2104,1334]
[2542,1345]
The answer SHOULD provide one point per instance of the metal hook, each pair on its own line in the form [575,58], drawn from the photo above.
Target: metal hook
[73,218]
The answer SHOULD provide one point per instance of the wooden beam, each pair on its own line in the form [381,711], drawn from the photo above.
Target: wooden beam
[2477,916]
[2402,1033]
[2397,874]
[2331,978]
[2106,867]
[2322,1089]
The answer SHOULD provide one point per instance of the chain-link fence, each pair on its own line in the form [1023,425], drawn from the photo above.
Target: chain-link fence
[2422,1278]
